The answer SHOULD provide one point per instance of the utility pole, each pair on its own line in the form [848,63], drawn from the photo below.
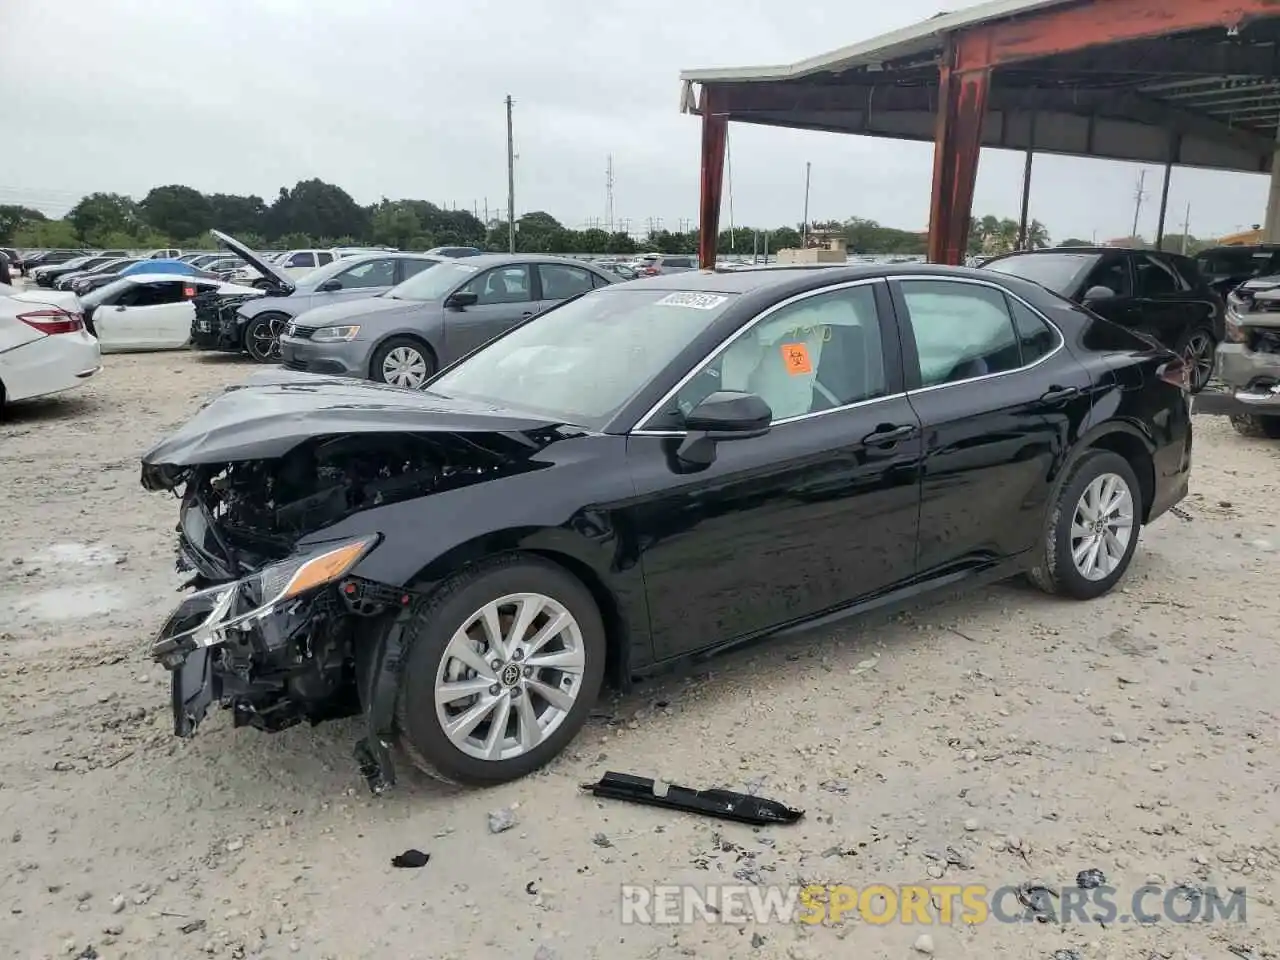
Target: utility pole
[1186,229]
[511,183]
[1138,196]
[608,186]
[804,227]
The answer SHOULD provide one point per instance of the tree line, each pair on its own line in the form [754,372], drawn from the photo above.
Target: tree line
[318,214]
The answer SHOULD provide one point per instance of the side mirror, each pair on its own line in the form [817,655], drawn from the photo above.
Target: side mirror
[724,415]
[1099,293]
[330,285]
[461,299]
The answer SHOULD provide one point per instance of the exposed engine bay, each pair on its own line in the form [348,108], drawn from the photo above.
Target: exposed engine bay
[279,632]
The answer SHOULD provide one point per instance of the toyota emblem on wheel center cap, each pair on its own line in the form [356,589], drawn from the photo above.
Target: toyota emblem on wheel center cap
[510,675]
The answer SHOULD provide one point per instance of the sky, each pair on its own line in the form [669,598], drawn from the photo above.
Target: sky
[399,99]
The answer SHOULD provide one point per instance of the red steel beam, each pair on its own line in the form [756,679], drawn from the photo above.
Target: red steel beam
[1099,22]
[715,132]
[962,107]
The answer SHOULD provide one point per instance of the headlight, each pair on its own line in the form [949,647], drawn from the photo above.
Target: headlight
[205,617]
[335,334]
[1231,325]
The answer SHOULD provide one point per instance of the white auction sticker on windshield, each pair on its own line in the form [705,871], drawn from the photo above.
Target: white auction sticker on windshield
[466,267]
[695,301]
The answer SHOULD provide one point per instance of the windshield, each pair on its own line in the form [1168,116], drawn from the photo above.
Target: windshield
[581,362]
[433,284]
[1234,263]
[1057,271]
[95,297]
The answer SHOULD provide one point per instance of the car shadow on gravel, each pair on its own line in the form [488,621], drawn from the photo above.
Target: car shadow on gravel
[218,357]
[45,410]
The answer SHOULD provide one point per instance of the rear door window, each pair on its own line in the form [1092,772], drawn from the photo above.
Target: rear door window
[961,330]
[1112,273]
[1156,278]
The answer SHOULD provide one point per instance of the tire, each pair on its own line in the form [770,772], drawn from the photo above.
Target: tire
[1198,348]
[417,362]
[1255,426]
[461,600]
[262,337]
[1055,570]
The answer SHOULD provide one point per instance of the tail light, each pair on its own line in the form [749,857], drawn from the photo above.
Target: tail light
[53,322]
[1176,372]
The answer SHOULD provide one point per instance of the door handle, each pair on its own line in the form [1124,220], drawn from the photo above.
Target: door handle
[1055,394]
[887,435]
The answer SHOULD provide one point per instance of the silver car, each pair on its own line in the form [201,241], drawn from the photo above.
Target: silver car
[403,336]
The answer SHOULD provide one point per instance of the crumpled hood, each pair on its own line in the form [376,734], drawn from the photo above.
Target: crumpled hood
[351,311]
[272,414]
[273,275]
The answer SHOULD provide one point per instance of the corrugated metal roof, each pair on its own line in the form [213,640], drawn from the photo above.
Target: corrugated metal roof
[909,41]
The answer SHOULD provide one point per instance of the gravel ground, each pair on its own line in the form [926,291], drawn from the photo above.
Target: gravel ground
[1037,738]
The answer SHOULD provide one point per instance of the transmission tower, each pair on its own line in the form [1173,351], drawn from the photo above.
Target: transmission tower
[608,186]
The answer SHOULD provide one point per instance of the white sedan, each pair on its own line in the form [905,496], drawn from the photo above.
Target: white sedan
[149,311]
[44,347]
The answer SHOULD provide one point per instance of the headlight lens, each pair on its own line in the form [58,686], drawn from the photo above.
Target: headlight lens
[295,576]
[336,334]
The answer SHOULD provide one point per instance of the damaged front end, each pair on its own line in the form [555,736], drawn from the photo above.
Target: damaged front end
[1248,360]
[281,628]
[215,325]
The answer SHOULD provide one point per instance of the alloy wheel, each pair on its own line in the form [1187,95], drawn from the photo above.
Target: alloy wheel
[1199,354]
[405,367]
[263,341]
[1102,526]
[509,676]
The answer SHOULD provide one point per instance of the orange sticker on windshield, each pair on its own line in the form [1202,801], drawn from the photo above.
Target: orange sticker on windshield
[796,357]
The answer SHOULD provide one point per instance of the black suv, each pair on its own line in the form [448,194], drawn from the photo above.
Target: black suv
[1225,268]
[1163,295]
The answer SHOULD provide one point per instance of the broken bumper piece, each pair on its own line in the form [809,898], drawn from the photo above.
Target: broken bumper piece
[722,804]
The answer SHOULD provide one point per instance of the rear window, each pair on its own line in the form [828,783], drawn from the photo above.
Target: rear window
[1058,272]
[1234,263]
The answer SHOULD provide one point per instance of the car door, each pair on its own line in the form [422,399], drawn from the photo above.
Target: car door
[819,512]
[504,297]
[559,282]
[1167,307]
[157,316]
[999,400]
[300,263]
[367,279]
[122,323]
[1112,272]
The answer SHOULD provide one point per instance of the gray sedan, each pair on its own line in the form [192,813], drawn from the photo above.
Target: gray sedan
[354,278]
[403,336]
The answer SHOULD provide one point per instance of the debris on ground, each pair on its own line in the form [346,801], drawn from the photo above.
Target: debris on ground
[724,804]
[1090,879]
[501,820]
[410,859]
[191,926]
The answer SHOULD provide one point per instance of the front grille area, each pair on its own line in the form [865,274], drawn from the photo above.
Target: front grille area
[301,332]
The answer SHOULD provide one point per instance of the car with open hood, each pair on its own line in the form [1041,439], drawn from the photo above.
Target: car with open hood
[425,323]
[650,471]
[256,324]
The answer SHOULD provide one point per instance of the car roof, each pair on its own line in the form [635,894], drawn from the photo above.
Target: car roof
[800,276]
[483,260]
[162,277]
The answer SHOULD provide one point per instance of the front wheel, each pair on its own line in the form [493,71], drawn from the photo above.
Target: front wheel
[505,661]
[262,337]
[1256,427]
[1092,528]
[1199,351]
[402,362]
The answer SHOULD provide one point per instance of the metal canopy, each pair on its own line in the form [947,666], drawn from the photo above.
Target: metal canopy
[1148,92]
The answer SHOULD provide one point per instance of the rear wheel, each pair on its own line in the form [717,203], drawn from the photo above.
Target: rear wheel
[262,336]
[1092,528]
[1256,426]
[403,362]
[505,662]
[1198,349]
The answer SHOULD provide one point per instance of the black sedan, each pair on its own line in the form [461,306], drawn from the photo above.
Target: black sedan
[649,471]
[1162,295]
